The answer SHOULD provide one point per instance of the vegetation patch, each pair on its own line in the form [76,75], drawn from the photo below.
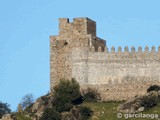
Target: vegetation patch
[91,95]
[153,88]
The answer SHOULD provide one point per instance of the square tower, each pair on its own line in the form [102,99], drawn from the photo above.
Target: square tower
[78,35]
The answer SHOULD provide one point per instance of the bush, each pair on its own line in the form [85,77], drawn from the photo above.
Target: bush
[153,88]
[85,113]
[149,101]
[65,93]
[50,114]
[91,95]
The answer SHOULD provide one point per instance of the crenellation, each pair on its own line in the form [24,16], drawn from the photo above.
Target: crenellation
[64,26]
[146,49]
[63,20]
[119,49]
[91,27]
[133,57]
[126,49]
[153,49]
[133,49]
[112,49]
[158,48]
[106,49]
[139,49]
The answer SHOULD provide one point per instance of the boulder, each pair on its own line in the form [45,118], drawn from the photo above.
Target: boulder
[140,103]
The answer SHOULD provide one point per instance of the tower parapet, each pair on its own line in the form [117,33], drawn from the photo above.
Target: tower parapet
[79,26]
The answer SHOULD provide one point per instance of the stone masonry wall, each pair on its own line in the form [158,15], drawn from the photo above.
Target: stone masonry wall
[117,75]
[78,53]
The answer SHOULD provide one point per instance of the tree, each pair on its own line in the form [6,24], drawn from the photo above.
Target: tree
[4,109]
[65,93]
[27,100]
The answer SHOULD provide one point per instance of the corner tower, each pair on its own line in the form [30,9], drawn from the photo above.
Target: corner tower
[78,36]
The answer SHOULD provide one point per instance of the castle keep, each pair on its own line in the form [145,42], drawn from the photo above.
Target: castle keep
[78,53]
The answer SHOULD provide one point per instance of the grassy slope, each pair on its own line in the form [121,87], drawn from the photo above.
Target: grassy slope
[107,111]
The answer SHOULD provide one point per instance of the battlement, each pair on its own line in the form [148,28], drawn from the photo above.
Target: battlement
[80,26]
[122,57]
[126,56]
[126,49]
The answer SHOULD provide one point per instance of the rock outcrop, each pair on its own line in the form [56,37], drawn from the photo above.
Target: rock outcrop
[41,104]
[140,103]
[6,117]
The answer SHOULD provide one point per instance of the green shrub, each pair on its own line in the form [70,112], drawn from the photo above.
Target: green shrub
[150,100]
[50,114]
[65,93]
[91,95]
[153,88]
[85,113]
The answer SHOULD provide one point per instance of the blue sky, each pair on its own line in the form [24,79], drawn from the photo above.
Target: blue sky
[25,27]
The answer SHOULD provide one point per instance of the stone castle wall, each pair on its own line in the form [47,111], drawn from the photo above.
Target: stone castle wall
[117,75]
[78,53]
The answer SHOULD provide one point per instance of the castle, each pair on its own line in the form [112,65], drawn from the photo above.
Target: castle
[118,75]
